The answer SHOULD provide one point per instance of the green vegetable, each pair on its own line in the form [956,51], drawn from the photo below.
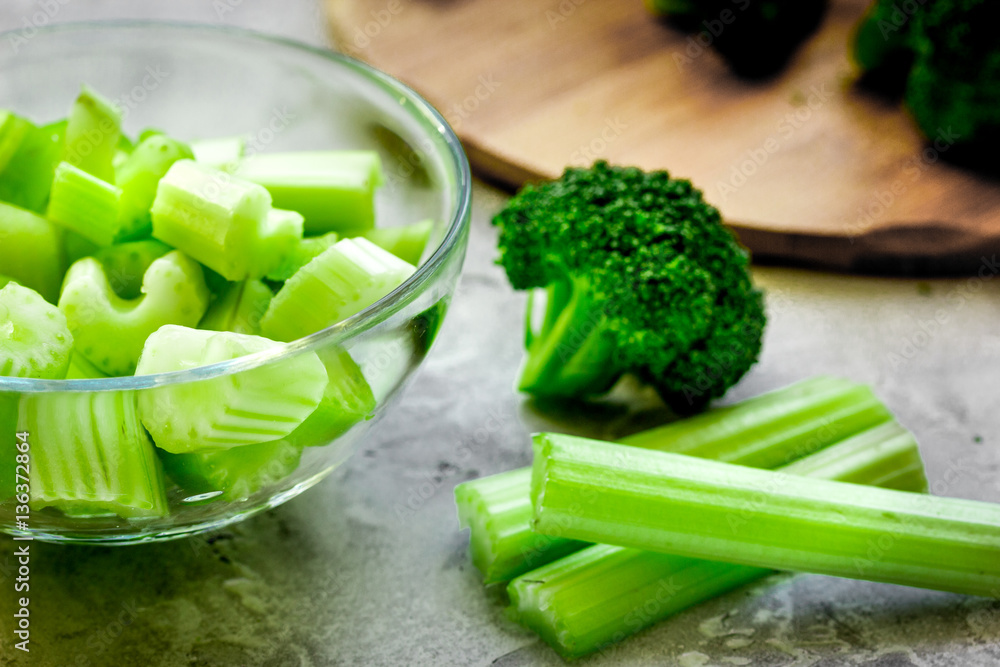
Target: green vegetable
[243,408]
[138,176]
[224,153]
[602,594]
[766,432]
[93,130]
[34,339]
[90,455]
[31,251]
[305,251]
[81,369]
[125,264]
[756,37]
[224,222]
[110,331]
[407,242]
[678,504]
[28,158]
[85,204]
[233,474]
[345,279]
[641,277]
[238,308]
[334,190]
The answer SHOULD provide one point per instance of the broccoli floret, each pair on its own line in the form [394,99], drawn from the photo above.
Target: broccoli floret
[640,277]
[756,37]
[954,86]
[945,55]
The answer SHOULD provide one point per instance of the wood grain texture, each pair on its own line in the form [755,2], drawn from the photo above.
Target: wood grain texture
[807,167]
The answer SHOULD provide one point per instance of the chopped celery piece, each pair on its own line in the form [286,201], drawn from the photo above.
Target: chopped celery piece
[334,190]
[110,331]
[222,221]
[233,474]
[32,251]
[93,130]
[305,251]
[584,602]
[345,279]
[125,264]
[28,158]
[90,455]
[34,339]
[81,369]
[78,247]
[347,400]
[243,408]
[238,308]
[280,236]
[671,503]
[765,432]
[407,242]
[224,153]
[138,176]
[85,204]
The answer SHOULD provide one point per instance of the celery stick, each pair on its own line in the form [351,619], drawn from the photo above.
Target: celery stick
[32,251]
[90,455]
[35,341]
[345,279]
[238,308]
[305,251]
[334,190]
[217,219]
[28,158]
[766,432]
[81,369]
[224,153]
[602,594]
[233,474]
[671,503]
[93,130]
[244,408]
[347,400]
[407,242]
[85,204]
[110,331]
[126,263]
[280,235]
[138,176]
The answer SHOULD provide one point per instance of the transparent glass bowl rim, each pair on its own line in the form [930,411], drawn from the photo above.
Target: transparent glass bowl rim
[379,311]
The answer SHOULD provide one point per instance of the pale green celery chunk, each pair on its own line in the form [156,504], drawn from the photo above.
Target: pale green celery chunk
[343,280]
[28,158]
[138,176]
[245,407]
[305,251]
[126,263]
[603,594]
[407,242]
[238,308]
[671,503]
[110,331]
[35,341]
[32,251]
[765,432]
[90,455]
[347,400]
[334,190]
[223,153]
[93,130]
[85,204]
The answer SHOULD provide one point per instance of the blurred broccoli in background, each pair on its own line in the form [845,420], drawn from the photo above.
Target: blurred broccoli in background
[756,37]
[945,56]
[641,277]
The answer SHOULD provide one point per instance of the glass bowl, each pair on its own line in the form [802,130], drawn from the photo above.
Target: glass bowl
[198,82]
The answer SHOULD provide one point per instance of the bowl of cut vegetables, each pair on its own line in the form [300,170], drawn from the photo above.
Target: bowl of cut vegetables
[222,257]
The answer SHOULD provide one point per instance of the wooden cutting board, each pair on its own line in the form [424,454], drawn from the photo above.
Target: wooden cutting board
[807,167]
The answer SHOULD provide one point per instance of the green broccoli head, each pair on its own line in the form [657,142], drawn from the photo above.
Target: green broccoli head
[954,86]
[641,276]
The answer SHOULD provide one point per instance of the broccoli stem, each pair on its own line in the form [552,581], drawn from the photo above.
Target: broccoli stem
[570,355]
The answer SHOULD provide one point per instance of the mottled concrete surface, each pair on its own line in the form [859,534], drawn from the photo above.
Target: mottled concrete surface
[369,568]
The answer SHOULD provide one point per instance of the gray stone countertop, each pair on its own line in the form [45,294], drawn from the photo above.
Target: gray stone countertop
[369,567]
